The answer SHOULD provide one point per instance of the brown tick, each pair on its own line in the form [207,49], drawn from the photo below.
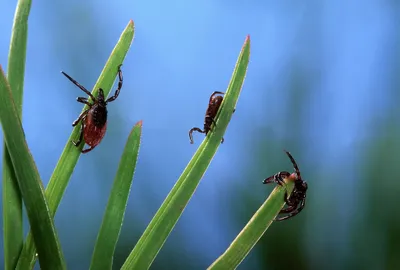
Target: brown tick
[297,200]
[93,120]
[213,106]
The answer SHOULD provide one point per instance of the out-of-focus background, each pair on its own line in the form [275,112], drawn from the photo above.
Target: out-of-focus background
[323,83]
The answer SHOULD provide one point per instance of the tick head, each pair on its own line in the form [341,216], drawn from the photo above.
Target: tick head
[100,97]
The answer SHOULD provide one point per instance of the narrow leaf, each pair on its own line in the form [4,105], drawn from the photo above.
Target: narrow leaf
[254,229]
[66,164]
[112,221]
[29,182]
[168,214]
[12,201]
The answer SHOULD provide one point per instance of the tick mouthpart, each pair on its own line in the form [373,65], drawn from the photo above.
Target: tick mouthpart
[293,177]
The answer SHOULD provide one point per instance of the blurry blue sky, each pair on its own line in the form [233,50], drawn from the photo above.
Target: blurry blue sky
[182,51]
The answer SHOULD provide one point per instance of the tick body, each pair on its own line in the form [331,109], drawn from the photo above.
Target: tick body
[212,109]
[93,120]
[297,200]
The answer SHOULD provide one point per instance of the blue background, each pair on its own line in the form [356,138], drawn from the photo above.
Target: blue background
[322,82]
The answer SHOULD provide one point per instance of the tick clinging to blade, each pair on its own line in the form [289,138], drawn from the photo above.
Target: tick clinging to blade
[93,120]
[213,106]
[297,200]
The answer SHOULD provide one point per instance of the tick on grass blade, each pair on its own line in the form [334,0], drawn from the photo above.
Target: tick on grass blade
[93,120]
[212,109]
[297,200]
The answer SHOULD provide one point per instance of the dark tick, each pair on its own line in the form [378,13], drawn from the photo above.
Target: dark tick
[93,120]
[212,109]
[297,200]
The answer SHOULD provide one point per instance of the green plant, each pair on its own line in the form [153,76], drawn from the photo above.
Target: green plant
[21,178]
[12,201]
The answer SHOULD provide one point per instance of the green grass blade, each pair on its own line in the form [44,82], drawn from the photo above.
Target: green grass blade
[12,201]
[254,229]
[66,164]
[29,182]
[112,222]
[168,214]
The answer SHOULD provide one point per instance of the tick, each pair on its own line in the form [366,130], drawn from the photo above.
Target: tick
[213,106]
[93,120]
[297,200]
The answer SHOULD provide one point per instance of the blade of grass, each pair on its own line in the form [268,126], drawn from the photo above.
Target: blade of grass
[252,232]
[29,182]
[12,201]
[66,164]
[168,214]
[112,221]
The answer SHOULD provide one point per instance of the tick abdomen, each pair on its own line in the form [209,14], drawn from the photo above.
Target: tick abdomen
[95,125]
[212,112]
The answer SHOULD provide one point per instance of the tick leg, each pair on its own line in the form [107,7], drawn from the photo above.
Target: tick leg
[287,199]
[213,121]
[88,149]
[191,135]
[81,116]
[78,142]
[215,125]
[120,81]
[294,164]
[284,218]
[302,205]
[207,119]
[287,209]
[277,178]
[84,101]
[269,180]
[79,85]
[215,93]
[295,212]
